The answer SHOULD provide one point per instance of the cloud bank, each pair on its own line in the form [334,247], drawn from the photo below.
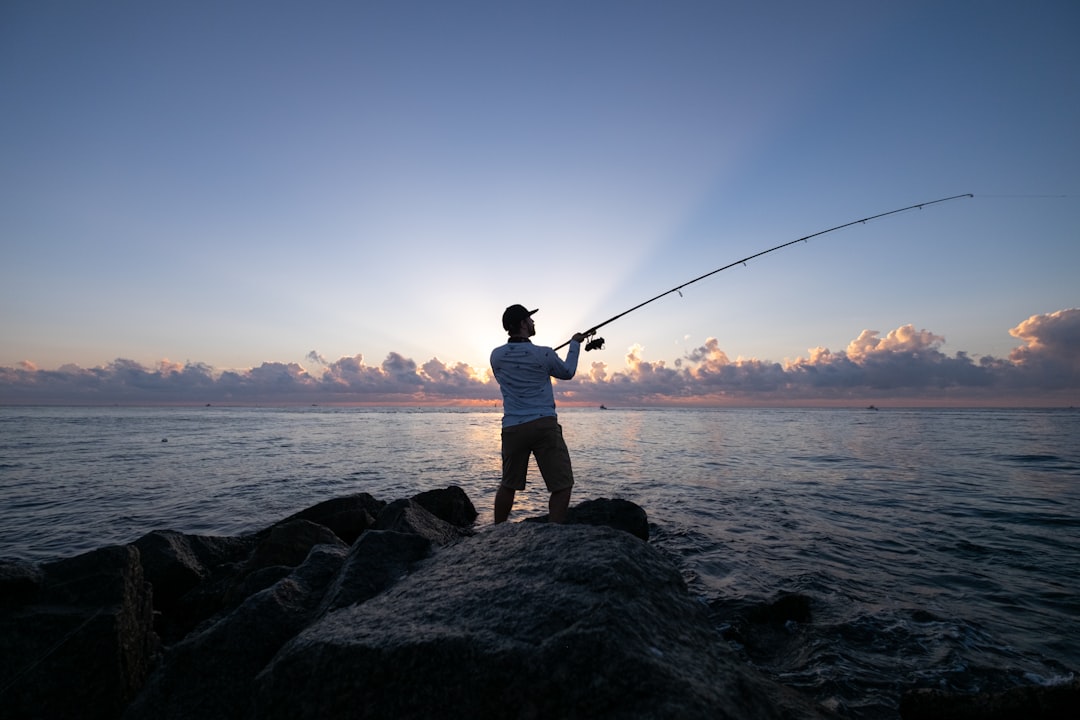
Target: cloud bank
[905,366]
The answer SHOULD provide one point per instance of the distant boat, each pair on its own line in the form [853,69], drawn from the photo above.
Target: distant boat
[871,408]
[603,407]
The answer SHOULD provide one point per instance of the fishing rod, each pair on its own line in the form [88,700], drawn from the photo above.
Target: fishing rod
[598,343]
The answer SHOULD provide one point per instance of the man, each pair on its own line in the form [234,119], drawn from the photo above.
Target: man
[530,425]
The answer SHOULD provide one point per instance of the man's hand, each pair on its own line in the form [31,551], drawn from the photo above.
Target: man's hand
[578,337]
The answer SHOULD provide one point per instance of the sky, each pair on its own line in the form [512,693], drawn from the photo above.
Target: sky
[334,201]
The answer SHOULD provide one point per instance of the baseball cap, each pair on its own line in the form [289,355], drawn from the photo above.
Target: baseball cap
[513,316]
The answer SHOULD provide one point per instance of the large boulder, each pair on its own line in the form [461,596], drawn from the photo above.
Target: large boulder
[619,514]
[525,620]
[450,504]
[375,562]
[615,513]
[174,563]
[198,577]
[288,544]
[409,516]
[80,641]
[209,673]
[347,516]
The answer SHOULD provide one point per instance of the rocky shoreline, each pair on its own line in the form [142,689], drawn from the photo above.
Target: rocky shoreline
[357,607]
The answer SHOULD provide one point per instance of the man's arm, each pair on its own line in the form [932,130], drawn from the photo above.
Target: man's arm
[564,370]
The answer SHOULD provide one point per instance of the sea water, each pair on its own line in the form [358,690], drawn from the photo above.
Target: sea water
[935,548]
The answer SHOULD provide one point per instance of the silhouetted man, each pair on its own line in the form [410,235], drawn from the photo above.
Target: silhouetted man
[530,425]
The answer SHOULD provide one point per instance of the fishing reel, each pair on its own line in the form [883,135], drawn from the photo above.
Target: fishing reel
[597,343]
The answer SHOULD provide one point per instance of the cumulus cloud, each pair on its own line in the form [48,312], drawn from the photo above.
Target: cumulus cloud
[904,341]
[1051,351]
[906,364]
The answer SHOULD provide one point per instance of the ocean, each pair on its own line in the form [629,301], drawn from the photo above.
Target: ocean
[934,548]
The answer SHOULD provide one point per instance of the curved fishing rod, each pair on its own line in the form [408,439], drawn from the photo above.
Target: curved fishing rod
[598,343]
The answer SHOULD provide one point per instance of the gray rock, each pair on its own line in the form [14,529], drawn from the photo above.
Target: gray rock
[20,582]
[523,621]
[619,514]
[169,565]
[408,516]
[209,674]
[182,569]
[614,513]
[288,543]
[450,504]
[347,517]
[173,562]
[85,645]
[238,589]
[205,576]
[377,560]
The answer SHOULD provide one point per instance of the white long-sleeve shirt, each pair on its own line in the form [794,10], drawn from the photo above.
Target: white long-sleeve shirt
[524,372]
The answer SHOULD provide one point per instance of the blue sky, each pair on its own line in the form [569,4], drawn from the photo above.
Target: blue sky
[293,189]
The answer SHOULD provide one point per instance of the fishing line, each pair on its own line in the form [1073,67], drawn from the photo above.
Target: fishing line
[982,195]
[598,343]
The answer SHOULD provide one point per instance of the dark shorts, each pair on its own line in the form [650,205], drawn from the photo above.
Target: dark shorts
[542,438]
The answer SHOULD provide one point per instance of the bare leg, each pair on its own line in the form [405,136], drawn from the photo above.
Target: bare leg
[504,500]
[558,505]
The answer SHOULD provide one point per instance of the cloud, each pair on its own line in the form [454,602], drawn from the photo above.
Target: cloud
[1052,348]
[905,365]
[904,341]
[906,361]
[119,381]
[399,379]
